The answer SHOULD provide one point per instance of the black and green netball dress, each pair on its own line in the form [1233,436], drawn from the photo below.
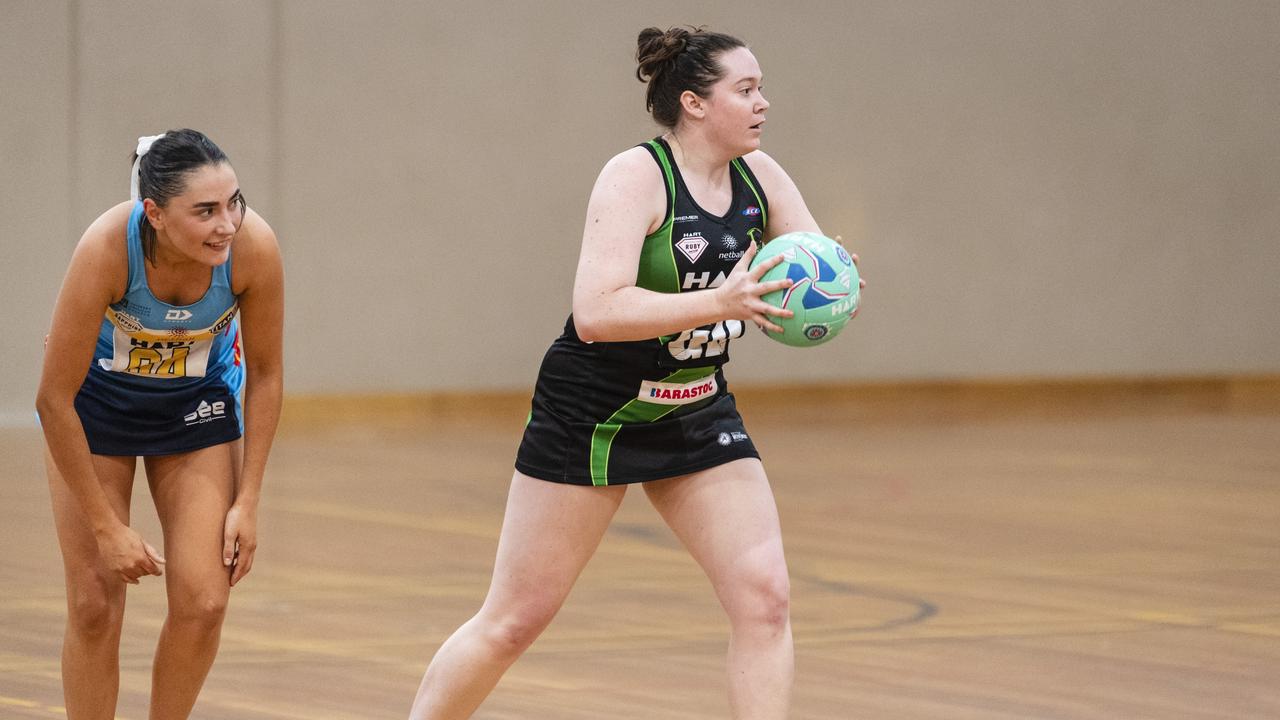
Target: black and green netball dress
[608,413]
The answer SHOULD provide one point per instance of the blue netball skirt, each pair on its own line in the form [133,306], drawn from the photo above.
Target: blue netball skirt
[124,415]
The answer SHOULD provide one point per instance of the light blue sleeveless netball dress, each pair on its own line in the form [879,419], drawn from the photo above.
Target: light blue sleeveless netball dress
[165,379]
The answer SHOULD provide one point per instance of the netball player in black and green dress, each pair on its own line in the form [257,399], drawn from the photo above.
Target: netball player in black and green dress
[633,391]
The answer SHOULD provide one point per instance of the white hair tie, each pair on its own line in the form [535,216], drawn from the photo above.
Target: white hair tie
[144,144]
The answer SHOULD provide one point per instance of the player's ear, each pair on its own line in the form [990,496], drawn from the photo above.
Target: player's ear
[692,104]
[152,211]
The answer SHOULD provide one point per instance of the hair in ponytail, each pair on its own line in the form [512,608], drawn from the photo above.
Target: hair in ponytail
[161,165]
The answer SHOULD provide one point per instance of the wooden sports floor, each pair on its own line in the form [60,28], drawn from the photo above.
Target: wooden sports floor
[1104,550]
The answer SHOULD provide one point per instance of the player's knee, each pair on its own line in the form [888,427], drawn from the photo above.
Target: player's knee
[201,610]
[762,598]
[94,612]
[514,631]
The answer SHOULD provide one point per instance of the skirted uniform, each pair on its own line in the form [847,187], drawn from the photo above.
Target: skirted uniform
[165,379]
[608,413]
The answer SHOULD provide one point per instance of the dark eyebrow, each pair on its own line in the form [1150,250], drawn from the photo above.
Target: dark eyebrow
[212,204]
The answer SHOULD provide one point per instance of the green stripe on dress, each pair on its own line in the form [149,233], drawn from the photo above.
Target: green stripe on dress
[635,412]
[666,167]
[657,269]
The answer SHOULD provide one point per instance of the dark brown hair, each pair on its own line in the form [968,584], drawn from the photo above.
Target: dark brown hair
[679,59]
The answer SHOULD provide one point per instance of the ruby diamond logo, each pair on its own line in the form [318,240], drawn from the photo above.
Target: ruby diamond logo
[691,246]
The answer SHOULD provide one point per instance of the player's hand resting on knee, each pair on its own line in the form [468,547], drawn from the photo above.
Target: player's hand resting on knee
[127,555]
[239,541]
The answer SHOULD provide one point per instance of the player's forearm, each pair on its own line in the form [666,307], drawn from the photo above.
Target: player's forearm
[262,397]
[633,313]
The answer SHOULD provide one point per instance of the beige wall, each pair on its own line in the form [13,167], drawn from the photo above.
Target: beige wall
[1037,189]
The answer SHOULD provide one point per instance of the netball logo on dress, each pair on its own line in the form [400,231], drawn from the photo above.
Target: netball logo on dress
[730,243]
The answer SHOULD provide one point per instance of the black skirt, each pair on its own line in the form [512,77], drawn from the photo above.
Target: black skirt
[609,414]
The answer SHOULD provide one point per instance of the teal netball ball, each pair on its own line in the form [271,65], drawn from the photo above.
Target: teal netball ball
[823,292]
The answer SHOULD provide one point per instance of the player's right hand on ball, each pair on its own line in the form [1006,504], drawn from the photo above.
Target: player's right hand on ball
[739,296]
[127,555]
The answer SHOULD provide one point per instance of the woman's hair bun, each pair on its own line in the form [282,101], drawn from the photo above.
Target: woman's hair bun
[677,60]
[657,49]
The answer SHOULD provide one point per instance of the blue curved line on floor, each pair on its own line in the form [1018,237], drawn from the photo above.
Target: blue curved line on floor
[923,608]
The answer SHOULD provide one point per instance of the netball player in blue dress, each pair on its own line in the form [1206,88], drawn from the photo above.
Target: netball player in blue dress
[634,392]
[171,312]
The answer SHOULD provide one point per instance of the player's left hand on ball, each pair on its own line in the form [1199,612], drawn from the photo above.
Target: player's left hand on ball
[862,282]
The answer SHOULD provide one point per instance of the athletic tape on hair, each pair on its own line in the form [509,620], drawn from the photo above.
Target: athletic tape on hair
[144,144]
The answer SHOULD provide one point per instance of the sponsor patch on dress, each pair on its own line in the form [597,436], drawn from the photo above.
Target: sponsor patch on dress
[664,393]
